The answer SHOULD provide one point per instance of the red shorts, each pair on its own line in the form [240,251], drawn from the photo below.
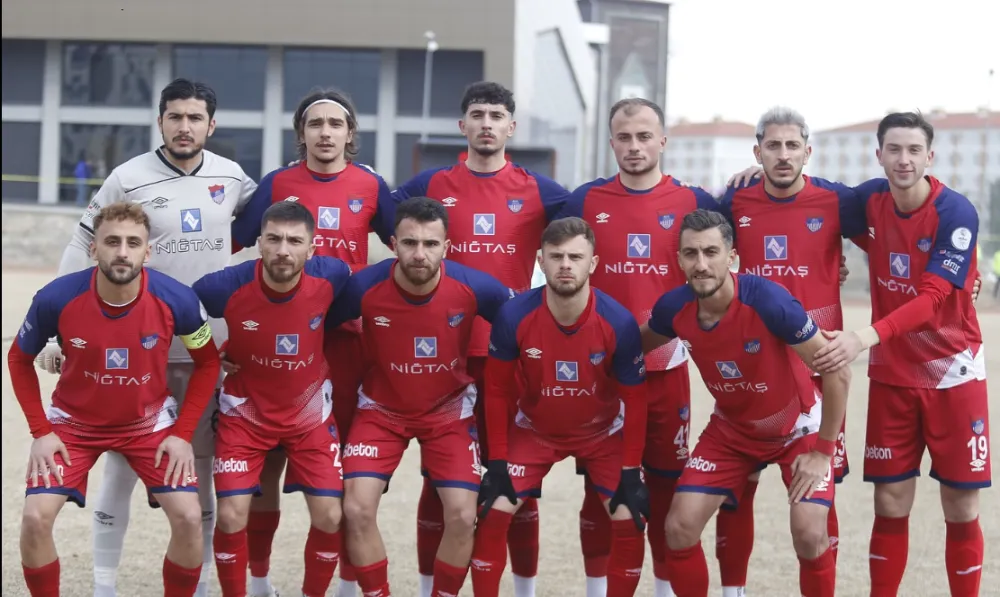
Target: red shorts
[953,424]
[529,460]
[724,458]
[313,459]
[342,348]
[841,467]
[449,452]
[138,450]
[668,422]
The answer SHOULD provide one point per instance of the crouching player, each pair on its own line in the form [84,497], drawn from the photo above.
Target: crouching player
[281,395]
[417,313]
[578,351]
[116,322]
[744,332]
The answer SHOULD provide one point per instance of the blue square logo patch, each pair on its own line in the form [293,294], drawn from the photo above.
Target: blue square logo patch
[191,220]
[425,347]
[567,371]
[286,345]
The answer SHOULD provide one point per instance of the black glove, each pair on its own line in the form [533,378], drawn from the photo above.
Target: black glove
[496,482]
[632,494]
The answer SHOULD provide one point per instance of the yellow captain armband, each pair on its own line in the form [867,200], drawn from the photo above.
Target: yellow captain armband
[199,338]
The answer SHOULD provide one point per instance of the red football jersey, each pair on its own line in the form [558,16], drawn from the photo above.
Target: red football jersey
[638,234]
[495,222]
[938,239]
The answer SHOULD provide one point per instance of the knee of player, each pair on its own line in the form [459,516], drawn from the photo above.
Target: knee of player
[185,518]
[895,500]
[230,515]
[682,531]
[809,536]
[460,518]
[359,512]
[37,520]
[959,505]
[327,516]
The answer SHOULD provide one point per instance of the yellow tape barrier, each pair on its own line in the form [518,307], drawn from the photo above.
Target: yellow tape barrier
[96,182]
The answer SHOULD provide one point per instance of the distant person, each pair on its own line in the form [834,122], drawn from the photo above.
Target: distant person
[996,272]
[82,175]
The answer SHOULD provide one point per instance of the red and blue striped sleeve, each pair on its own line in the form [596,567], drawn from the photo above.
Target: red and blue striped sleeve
[42,319]
[416,186]
[661,320]
[489,292]
[503,334]
[347,306]
[627,361]
[850,207]
[782,314]
[552,194]
[215,289]
[331,269]
[183,302]
[383,222]
[955,240]
[574,206]
[246,227]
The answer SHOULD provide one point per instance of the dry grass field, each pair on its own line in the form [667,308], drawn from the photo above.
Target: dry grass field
[773,571]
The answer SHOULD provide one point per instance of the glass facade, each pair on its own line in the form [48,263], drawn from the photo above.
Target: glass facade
[23,69]
[101,148]
[100,74]
[451,72]
[236,73]
[21,157]
[243,146]
[354,72]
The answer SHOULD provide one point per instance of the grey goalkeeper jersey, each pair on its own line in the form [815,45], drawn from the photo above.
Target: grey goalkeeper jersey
[189,214]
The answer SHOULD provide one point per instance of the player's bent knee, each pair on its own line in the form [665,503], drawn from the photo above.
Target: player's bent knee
[959,505]
[37,519]
[682,531]
[325,513]
[460,519]
[231,513]
[808,526]
[359,512]
[895,500]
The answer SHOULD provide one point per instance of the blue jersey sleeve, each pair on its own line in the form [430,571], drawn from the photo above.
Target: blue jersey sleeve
[190,317]
[503,334]
[726,209]
[627,362]
[553,195]
[331,269]
[661,320]
[850,207]
[490,293]
[246,226]
[215,289]
[784,316]
[383,223]
[956,238]
[415,187]
[573,208]
[705,200]
[42,320]
[347,306]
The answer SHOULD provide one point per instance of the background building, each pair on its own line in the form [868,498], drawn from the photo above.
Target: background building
[81,79]
[706,154]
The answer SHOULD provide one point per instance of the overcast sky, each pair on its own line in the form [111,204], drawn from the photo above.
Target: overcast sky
[837,62]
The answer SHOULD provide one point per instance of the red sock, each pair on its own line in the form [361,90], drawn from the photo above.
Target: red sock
[688,571]
[231,562]
[179,581]
[430,528]
[489,555]
[833,531]
[374,580]
[322,553]
[890,544]
[261,527]
[963,555]
[734,539]
[818,577]
[628,548]
[448,579]
[347,573]
[522,539]
[42,581]
[661,493]
[595,533]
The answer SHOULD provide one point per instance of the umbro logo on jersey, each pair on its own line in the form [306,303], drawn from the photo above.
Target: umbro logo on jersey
[567,371]
[291,198]
[160,203]
[533,353]
[728,369]
[355,205]
[116,358]
[286,345]
[871,232]
[449,201]
[329,218]
[484,224]
[899,265]
[638,246]
[78,343]
[250,325]
[776,248]
[425,347]
[515,205]
[745,222]
[191,220]
[381,321]
[602,218]
[218,193]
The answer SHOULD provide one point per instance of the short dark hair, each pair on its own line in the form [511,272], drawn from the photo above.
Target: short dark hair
[564,229]
[182,89]
[423,210]
[632,104]
[290,212]
[335,95]
[701,220]
[488,92]
[905,120]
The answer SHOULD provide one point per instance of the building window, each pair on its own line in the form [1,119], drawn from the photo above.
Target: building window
[955,182]
[689,163]
[864,160]
[706,144]
[670,163]
[956,138]
[21,145]
[844,160]
[236,73]
[366,152]
[822,142]
[955,158]
[706,162]
[23,69]
[243,146]
[821,161]
[453,71]
[102,147]
[355,72]
[118,75]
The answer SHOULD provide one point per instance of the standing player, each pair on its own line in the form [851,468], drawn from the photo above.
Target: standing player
[578,351]
[113,394]
[789,228]
[190,195]
[636,218]
[346,200]
[417,315]
[281,395]
[744,333]
[498,211]
[927,368]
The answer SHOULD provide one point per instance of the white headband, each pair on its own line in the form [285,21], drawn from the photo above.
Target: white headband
[327,101]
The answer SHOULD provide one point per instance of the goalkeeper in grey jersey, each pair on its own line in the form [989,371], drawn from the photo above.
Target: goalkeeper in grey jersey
[191,196]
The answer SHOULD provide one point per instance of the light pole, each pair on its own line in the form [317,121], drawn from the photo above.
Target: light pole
[432,46]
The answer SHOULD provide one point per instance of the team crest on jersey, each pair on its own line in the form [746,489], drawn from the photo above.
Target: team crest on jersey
[567,371]
[814,224]
[116,358]
[924,244]
[515,205]
[597,356]
[978,426]
[315,322]
[455,317]
[752,347]
[666,221]
[684,412]
[473,431]
[218,193]
[355,205]
[148,342]
[333,431]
